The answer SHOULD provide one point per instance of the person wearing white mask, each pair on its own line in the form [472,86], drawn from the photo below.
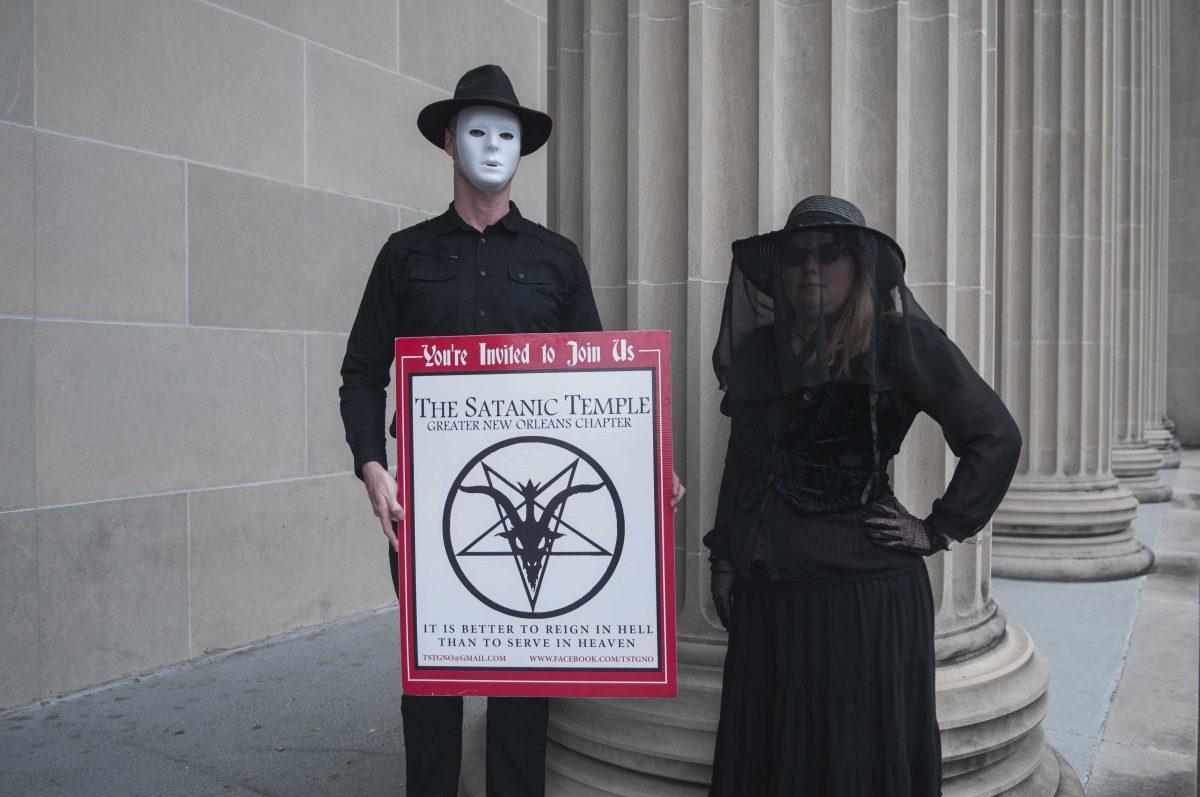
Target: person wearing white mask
[478,268]
[487,146]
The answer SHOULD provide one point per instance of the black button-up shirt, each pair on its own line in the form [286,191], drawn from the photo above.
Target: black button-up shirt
[444,277]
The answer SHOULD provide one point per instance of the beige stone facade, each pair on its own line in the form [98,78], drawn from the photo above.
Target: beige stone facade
[193,194]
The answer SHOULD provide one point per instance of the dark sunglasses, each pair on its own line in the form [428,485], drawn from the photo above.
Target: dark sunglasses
[824,253]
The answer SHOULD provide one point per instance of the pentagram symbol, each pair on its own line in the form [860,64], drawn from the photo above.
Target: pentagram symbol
[533,527]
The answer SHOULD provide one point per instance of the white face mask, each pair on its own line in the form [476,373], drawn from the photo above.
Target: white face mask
[489,145]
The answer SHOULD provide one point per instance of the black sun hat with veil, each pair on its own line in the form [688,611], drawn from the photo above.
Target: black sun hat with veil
[824,300]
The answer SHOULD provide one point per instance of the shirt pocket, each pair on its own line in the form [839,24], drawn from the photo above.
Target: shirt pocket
[533,296]
[434,290]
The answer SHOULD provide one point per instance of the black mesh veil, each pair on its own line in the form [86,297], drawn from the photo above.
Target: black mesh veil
[824,300]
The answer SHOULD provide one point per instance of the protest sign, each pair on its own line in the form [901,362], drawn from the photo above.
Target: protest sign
[536,557]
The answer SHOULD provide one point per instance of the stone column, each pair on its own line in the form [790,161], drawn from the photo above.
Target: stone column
[652,79]
[1172,458]
[1158,426]
[992,681]
[1183,382]
[1135,461]
[728,113]
[1065,517]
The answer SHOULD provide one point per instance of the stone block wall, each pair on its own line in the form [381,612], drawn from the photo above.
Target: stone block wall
[1183,248]
[192,194]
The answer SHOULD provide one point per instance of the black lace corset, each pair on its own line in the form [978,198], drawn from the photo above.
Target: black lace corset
[814,448]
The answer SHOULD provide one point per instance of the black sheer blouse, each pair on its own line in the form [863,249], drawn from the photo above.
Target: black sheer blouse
[800,467]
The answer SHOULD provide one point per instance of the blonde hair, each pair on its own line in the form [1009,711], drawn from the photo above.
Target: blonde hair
[851,335]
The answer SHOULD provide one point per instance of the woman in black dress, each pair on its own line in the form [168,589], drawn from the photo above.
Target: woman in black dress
[818,572]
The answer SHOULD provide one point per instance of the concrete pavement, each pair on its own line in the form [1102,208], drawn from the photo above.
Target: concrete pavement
[317,713]
[1123,656]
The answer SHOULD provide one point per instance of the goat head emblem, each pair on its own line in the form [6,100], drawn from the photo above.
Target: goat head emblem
[530,535]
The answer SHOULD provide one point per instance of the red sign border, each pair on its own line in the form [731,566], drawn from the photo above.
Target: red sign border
[650,349]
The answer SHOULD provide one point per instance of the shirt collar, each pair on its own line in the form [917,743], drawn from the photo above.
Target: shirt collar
[511,220]
[450,220]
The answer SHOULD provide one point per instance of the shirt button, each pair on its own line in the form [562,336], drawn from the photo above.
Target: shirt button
[808,395]
[483,273]
[521,275]
[483,312]
[482,240]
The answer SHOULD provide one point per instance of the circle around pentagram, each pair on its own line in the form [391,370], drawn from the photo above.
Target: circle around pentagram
[612,491]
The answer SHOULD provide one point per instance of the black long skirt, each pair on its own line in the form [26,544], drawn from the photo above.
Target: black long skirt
[829,690]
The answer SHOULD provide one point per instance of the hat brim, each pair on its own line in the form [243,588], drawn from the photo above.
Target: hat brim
[435,117]
[758,255]
[775,237]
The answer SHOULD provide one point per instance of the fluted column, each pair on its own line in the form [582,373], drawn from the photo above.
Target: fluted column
[992,681]
[1158,426]
[728,113]
[1135,461]
[1065,517]
[645,211]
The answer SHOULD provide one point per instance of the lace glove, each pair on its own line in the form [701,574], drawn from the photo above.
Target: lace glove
[889,525]
[723,576]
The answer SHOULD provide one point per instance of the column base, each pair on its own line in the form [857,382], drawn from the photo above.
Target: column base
[569,773]
[990,709]
[1051,777]
[1177,452]
[1165,443]
[1069,784]
[1137,466]
[1045,532]
[630,747]
[1106,558]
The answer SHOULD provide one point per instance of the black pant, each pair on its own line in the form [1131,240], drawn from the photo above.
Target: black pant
[516,741]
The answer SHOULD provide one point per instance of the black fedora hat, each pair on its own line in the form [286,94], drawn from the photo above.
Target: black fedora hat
[759,256]
[484,85]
